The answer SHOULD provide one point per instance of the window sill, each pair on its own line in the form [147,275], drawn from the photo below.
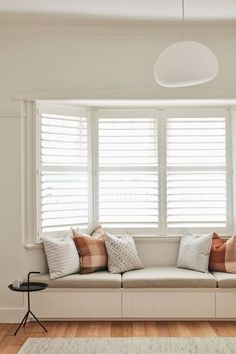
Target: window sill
[137,239]
[33,246]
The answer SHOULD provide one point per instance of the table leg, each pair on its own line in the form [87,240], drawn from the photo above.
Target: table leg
[38,321]
[24,318]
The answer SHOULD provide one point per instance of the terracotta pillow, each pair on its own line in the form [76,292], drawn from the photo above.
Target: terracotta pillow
[92,251]
[223,255]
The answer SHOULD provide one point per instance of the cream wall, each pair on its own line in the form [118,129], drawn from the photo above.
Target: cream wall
[91,65]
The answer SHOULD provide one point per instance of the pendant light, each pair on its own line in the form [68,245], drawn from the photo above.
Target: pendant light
[185,63]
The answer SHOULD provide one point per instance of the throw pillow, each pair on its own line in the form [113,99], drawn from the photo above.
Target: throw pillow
[194,252]
[62,257]
[223,255]
[122,254]
[98,231]
[92,251]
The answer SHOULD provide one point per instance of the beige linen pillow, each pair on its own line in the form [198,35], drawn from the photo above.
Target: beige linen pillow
[62,257]
[194,252]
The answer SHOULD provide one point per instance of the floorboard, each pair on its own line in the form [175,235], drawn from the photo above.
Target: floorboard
[10,344]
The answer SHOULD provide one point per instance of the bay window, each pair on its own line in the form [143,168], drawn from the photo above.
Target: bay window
[144,171]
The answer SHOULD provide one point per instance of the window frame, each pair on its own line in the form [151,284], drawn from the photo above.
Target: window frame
[30,180]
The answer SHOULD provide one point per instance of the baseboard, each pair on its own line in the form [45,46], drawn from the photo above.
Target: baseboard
[11,314]
[15,315]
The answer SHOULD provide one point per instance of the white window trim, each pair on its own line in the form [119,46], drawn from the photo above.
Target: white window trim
[229,169]
[29,174]
[162,174]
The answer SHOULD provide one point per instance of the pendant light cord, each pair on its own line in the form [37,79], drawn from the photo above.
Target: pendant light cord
[183,15]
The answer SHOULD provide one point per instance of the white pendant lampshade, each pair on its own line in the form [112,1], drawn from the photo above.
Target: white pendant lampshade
[185,63]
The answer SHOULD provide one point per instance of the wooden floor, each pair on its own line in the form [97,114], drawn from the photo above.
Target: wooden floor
[10,344]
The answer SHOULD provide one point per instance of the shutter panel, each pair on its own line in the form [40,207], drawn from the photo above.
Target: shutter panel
[63,168]
[196,170]
[128,177]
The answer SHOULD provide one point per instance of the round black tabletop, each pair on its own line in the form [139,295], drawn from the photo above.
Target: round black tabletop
[31,286]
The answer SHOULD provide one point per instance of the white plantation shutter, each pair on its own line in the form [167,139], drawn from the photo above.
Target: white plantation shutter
[127,169]
[145,171]
[196,170]
[63,171]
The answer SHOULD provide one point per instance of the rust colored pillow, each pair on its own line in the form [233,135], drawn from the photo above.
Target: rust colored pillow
[92,251]
[223,255]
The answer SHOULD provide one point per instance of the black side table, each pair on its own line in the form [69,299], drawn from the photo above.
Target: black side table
[29,287]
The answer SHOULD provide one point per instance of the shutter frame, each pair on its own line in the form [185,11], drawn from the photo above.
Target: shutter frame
[62,178]
[124,175]
[213,118]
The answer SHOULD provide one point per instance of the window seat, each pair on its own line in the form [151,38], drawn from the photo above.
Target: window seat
[158,293]
[149,277]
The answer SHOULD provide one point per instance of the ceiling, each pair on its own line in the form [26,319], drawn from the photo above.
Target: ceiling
[94,11]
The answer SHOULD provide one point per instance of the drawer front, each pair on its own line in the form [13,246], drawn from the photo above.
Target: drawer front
[77,304]
[168,305]
[226,305]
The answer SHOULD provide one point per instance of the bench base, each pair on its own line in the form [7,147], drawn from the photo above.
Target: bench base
[128,304]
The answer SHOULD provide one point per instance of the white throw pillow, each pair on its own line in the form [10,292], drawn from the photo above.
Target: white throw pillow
[194,252]
[62,257]
[122,254]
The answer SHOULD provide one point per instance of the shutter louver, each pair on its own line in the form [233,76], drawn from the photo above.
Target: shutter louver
[196,172]
[64,175]
[128,178]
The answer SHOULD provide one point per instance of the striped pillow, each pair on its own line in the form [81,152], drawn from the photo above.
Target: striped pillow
[223,255]
[92,251]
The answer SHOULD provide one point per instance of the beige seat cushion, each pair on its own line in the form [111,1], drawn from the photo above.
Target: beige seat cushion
[225,280]
[167,277]
[102,279]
